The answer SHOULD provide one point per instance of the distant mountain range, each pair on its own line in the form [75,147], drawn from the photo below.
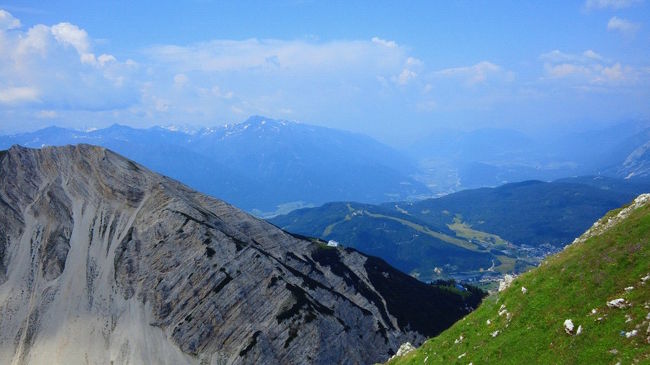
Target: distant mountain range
[261,165]
[271,167]
[471,234]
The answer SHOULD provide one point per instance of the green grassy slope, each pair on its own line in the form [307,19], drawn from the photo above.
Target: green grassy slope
[569,285]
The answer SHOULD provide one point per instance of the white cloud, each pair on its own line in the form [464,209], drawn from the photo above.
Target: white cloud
[565,69]
[18,95]
[55,66]
[383,42]
[612,4]
[105,59]
[414,62]
[405,76]
[46,114]
[58,71]
[36,40]
[410,71]
[7,21]
[556,56]
[71,35]
[271,55]
[427,105]
[591,54]
[180,80]
[223,80]
[68,34]
[615,72]
[587,68]
[624,26]
[216,92]
[477,74]
[270,76]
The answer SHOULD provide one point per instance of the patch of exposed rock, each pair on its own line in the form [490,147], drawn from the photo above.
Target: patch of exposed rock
[403,350]
[105,262]
[506,282]
[606,223]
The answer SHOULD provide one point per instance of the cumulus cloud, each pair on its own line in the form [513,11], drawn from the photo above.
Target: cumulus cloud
[71,35]
[7,21]
[612,4]
[55,67]
[623,26]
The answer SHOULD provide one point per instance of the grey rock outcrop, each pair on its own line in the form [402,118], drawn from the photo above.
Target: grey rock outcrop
[637,163]
[105,262]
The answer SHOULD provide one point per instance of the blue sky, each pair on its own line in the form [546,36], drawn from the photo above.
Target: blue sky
[393,70]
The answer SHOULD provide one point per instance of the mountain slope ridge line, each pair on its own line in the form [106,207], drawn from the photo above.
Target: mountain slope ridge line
[133,267]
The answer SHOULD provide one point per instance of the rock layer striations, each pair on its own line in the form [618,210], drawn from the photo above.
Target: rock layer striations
[105,262]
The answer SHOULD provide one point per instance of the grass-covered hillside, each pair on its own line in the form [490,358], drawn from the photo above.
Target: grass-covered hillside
[609,264]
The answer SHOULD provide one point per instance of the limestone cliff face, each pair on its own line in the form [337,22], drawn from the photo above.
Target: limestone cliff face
[637,163]
[105,262]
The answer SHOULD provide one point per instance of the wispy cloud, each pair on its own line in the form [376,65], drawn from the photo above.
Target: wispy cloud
[272,55]
[612,4]
[46,114]
[557,56]
[228,78]
[18,95]
[479,73]
[623,26]
[587,68]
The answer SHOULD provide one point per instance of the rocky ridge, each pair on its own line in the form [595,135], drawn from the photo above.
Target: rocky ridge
[103,261]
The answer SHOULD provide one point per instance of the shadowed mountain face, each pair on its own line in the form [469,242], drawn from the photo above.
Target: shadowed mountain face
[103,261]
[472,234]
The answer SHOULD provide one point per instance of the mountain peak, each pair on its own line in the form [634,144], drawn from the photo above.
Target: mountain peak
[115,259]
[259,120]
